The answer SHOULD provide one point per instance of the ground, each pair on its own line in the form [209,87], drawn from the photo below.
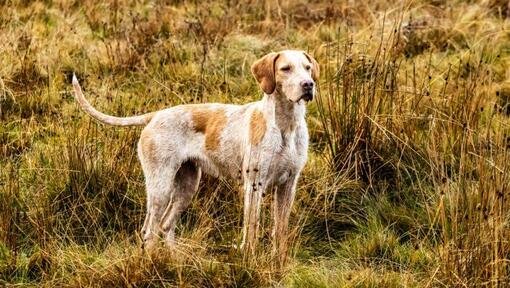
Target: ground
[406,184]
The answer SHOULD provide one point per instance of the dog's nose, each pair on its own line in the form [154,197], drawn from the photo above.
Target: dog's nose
[307,85]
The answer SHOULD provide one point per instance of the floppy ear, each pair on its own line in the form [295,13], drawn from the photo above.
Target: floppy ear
[263,71]
[315,67]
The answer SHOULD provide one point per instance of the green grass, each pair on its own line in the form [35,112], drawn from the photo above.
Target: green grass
[406,184]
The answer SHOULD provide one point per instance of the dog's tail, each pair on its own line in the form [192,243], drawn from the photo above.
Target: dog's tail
[139,120]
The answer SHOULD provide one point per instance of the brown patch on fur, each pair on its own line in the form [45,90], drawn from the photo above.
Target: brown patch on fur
[209,122]
[148,145]
[257,127]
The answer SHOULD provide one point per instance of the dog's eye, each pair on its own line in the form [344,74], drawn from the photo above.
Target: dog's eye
[308,67]
[285,68]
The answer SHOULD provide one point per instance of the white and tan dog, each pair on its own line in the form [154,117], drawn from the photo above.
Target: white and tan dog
[264,143]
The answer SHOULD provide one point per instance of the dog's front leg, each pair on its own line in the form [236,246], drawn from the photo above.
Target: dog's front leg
[283,199]
[255,183]
[252,203]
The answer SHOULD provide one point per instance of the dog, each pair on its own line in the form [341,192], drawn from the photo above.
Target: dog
[263,143]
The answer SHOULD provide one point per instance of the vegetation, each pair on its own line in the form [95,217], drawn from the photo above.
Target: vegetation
[407,182]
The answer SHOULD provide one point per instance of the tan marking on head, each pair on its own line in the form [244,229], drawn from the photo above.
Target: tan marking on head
[209,122]
[263,71]
[148,144]
[257,127]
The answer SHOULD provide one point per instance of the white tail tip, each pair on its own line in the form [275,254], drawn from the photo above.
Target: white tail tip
[75,80]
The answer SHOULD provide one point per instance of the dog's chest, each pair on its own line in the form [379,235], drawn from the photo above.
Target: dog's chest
[292,155]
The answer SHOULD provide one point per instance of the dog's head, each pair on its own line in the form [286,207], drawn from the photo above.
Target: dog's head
[291,73]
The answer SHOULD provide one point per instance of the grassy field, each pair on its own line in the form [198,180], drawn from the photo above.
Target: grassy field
[407,181]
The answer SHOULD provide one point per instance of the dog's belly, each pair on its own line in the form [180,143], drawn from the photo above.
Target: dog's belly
[220,166]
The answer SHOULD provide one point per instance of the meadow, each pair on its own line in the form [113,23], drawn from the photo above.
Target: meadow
[407,180]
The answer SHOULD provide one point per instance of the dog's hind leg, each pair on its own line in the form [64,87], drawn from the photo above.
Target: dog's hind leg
[146,221]
[160,186]
[160,165]
[185,185]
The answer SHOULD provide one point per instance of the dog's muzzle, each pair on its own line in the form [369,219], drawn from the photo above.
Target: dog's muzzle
[307,86]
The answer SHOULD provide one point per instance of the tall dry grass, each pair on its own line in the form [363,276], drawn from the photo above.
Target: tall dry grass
[406,181]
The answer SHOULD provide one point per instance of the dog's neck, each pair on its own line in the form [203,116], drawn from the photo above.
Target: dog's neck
[287,115]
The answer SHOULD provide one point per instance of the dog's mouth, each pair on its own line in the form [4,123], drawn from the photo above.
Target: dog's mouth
[307,97]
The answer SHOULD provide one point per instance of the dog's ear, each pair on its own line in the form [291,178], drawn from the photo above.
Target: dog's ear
[315,67]
[263,71]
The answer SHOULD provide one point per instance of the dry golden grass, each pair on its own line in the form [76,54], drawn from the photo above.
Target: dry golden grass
[407,179]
